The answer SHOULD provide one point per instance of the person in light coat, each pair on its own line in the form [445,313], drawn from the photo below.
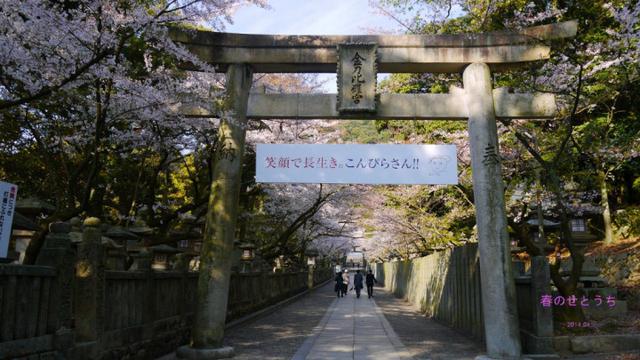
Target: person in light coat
[345,281]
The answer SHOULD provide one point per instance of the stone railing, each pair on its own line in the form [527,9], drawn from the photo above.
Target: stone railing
[446,286]
[27,297]
[71,305]
[536,321]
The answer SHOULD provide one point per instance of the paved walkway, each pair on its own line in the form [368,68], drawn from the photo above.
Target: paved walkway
[423,337]
[319,326]
[278,335]
[353,329]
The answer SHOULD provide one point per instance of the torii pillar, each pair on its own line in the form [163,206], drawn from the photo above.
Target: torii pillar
[501,327]
[215,260]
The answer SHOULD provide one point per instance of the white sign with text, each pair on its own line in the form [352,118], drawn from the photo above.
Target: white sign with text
[8,194]
[356,164]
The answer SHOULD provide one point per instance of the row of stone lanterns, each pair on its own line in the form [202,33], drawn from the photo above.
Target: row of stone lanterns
[247,256]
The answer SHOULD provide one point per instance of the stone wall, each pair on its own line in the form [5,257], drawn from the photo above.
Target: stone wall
[444,285]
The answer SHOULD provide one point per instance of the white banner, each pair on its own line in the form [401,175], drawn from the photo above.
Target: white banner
[8,193]
[356,164]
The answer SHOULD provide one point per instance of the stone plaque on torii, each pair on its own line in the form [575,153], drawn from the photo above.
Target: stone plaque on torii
[473,55]
[357,78]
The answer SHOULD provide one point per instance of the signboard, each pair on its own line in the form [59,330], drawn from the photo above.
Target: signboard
[8,193]
[356,164]
[357,69]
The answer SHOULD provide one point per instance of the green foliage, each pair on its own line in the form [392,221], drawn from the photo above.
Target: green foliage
[363,131]
[627,222]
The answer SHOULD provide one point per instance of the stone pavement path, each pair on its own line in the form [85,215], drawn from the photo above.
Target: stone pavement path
[353,329]
[319,326]
[423,337]
[427,339]
[278,336]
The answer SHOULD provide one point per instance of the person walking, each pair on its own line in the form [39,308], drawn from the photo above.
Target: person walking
[357,283]
[345,281]
[369,281]
[339,284]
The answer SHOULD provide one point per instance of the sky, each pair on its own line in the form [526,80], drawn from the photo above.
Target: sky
[313,17]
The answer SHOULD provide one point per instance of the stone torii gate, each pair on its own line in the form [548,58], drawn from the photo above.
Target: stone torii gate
[356,59]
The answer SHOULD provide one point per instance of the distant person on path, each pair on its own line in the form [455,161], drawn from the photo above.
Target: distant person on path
[370,280]
[339,284]
[357,283]
[345,281]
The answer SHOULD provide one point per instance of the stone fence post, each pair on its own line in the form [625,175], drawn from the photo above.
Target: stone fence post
[310,276]
[542,316]
[144,262]
[182,265]
[89,281]
[57,253]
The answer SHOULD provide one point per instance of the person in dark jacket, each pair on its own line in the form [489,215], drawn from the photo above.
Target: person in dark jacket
[370,280]
[357,283]
[339,284]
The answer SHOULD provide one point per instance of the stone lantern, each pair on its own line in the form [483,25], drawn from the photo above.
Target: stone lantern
[127,242]
[162,256]
[141,260]
[32,207]
[312,255]
[279,264]
[247,251]
[143,233]
[25,219]
[122,236]
[115,254]
[247,255]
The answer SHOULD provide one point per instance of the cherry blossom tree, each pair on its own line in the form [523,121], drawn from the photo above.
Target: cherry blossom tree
[89,80]
[593,76]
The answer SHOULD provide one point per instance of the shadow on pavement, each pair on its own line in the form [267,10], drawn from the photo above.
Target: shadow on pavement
[423,337]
